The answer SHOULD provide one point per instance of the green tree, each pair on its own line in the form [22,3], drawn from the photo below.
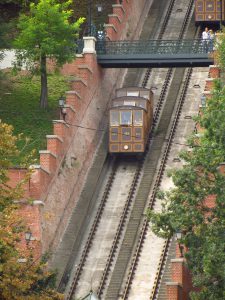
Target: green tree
[46,33]
[29,280]
[185,209]
[220,49]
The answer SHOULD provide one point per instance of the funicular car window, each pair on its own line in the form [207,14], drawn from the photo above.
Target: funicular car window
[125,117]
[138,118]
[114,118]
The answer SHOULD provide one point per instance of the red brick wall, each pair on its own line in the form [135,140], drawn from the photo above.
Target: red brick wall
[17,175]
[174,291]
[31,217]
[88,84]
[214,71]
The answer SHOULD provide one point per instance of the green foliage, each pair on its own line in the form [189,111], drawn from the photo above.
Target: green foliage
[220,47]
[29,280]
[8,29]
[47,31]
[98,19]
[21,93]
[17,2]
[184,207]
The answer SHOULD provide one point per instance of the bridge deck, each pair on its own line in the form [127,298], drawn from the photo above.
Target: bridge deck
[154,53]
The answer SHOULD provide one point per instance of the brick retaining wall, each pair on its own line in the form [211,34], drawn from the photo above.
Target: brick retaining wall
[57,181]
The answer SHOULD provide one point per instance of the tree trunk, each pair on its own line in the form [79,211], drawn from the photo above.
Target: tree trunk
[44,84]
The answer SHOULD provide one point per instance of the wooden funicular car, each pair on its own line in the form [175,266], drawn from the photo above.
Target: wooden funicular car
[131,116]
[209,12]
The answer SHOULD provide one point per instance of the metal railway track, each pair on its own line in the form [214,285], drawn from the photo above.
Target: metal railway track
[137,214]
[153,198]
[139,208]
[158,278]
[132,189]
[92,231]
[160,35]
[152,201]
[159,176]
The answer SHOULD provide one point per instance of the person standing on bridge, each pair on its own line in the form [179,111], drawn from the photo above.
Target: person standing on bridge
[211,40]
[206,39]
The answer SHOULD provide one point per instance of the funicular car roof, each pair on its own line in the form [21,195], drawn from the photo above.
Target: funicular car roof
[126,90]
[133,88]
[129,99]
[127,107]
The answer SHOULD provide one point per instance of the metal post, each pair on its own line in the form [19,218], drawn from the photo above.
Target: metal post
[89,16]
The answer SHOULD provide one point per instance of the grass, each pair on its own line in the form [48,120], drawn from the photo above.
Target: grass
[19,107]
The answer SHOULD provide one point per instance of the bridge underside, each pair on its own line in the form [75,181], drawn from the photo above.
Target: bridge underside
[154,61]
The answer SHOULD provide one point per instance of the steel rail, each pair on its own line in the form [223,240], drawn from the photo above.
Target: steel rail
[161,170]
[154,193]
[124,214]
[162,31]
[119,230]
[92,232]
[159,175]
[156,115]
[130,195]
[138,171]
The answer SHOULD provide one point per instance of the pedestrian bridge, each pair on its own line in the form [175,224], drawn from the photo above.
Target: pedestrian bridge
[154,53]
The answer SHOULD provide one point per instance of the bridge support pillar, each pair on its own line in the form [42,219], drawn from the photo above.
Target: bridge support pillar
[89,44]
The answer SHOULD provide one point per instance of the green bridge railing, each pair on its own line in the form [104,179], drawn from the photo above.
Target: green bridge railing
[171,47]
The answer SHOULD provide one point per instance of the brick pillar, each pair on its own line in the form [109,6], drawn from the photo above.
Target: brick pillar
[118,10]
[208,95]
[115,20]
[73,99]
[210,201]
[54,145]
[111,32]
[70,115]
[47,161]
[209,84]
[221,168]
[31,218]
[91,62]
[180,274]
[85,72]
[174,291]
[214,71]
[78,85]
[60,129]
[177,269]
[39,181]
